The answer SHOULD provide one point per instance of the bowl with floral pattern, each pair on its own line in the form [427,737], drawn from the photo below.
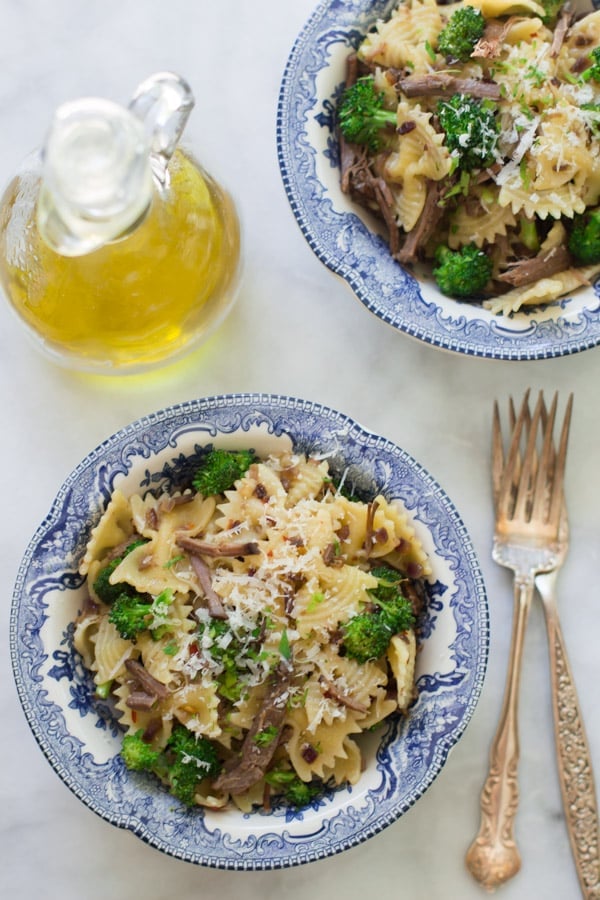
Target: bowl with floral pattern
[78,729]
[354,243]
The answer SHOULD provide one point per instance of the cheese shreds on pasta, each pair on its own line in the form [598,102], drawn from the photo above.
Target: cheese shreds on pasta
[249,587]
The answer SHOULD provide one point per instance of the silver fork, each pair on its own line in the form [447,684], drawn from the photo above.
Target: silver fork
[528,497]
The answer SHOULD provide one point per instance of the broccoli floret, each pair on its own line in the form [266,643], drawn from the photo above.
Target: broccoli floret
[132,613]
[183,764]
[137,753]
[465,27]
[362,115]
[395,609]
[462,273]
[298,793]
[231,652]
[189,761]
[227,653]
[584,237]
[592,73]
[290,786]
[366,636]
[551,10]
[471,130]
[220,469]
[107,592]
[388,583]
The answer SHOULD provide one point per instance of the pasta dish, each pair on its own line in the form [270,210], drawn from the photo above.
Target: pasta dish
[262,627]
[471,130]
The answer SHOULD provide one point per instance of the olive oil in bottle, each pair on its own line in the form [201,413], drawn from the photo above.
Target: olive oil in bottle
[117,250]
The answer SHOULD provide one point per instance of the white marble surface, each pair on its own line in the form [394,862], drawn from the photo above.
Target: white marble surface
[295,330]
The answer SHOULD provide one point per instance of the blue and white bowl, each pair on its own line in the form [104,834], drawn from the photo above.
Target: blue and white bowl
[79,734]
[350,242]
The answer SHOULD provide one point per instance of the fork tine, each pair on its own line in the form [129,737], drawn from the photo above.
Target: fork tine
[512,418]
[497,453]
[525,485]
[506,489]
[527,426]
[557,500]
[545,461]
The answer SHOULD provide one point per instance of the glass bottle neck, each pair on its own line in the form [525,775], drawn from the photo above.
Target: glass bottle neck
[96,176]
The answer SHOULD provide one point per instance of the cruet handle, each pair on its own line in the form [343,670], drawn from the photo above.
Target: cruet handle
[163,103]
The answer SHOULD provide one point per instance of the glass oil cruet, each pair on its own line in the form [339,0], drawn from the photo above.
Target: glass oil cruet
[117,250]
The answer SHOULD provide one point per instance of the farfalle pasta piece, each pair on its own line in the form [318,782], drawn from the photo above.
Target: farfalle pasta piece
[420,155]
[114,527]
[582,37]
[337,596]
[408,554]
[480,221]
[110,652]
[543,291]
[328,741]
[409,202]
[159,718]
[348,765]
[341,677]
[143,570]
[303,481]
[159,654]
[381,707]
[520,30]
[403,39]
[197,707]
[85,629]
[495,9]
[402,657]
[561,153]
[565,200]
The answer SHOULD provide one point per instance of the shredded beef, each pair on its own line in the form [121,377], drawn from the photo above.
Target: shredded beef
[430,215]
[206,548]
[442,84]
[255,756]
[526,271]
[146,682]
[215,604]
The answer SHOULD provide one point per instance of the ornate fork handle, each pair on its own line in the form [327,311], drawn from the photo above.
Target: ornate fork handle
[574,760]
[493,857]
